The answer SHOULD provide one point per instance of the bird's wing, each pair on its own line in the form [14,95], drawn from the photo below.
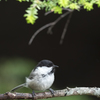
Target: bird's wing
[32,75]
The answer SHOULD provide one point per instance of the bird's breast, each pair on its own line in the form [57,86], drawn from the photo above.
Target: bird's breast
[40,82]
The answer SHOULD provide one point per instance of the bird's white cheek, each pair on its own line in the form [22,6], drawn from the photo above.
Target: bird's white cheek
[43,70]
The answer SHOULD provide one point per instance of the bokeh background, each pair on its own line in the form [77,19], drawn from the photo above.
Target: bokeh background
[78,57]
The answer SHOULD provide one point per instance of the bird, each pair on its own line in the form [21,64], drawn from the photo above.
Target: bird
[41,77]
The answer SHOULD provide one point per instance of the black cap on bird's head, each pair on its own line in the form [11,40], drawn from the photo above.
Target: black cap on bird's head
[46,63]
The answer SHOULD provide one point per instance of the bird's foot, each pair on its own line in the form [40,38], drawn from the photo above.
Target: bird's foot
[52,91]
[33,95]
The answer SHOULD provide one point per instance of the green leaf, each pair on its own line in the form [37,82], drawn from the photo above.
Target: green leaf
[63,3]
[30,19]
[21,0]
[98,3]
[57,9]
[73,6]
[88,6]
[56,6]
[31,15]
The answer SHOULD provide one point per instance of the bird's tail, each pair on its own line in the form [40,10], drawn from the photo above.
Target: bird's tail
[17,87]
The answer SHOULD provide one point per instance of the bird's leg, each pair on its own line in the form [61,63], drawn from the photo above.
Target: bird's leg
[52,91]
[33,94]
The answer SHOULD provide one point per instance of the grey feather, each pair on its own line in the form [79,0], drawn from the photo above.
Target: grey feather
[32,75]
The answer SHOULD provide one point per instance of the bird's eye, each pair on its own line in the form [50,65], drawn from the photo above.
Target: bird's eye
[50,64]
[43,75]
[31,77]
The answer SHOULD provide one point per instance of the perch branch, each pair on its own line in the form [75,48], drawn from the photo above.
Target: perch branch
[94,91]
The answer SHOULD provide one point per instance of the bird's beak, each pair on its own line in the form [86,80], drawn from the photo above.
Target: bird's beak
[56,66]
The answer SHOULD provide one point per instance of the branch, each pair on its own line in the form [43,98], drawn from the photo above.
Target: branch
[67,9]
[50,25]
[65,28]
[38,31]
[94,91]
[56,21]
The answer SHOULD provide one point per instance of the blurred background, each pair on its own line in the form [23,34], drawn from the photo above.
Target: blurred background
[78,57]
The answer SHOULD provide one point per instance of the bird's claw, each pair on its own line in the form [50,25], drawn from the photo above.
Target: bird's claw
[52,91]
[33,95]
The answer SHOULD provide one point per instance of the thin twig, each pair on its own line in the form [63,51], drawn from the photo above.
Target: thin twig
[50,25]
[94,91]
[49,12]
[56,21]
[65,28]
[38,31]
[67,9]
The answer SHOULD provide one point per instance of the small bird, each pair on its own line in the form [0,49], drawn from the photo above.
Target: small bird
[41,77]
